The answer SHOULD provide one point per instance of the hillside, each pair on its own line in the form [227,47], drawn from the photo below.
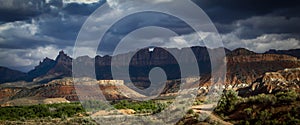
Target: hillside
[9,75]
[273,82]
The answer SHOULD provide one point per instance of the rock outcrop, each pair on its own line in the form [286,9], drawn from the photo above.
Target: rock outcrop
[65,88]
[246,67]
[272,82]
[50,69]
[7,93]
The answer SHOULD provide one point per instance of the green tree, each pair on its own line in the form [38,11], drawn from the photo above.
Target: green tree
[227,102]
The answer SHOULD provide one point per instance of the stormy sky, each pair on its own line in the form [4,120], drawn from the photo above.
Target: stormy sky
[31,30]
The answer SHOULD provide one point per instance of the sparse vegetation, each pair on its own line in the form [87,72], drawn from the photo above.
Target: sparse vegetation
[227,102]
[93,105]
[281,108]
[278,108]
[66,110]
[40,111]
[142,107]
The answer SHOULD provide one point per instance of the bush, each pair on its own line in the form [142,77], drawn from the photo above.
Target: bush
[262,99]
[264,115]
[63,117]
[248,111]
[227,102]
[92,105]
[190,111]
[286,97]
[141,107]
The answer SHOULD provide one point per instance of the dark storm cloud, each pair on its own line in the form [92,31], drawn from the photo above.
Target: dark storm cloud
[141,20]
[30,26]
[253,17]
[256,26]
[151,19]
[15,10]
[228,11]
[248,19]
[82,9]
[57,27]
[47,30]
[22,43]
[65,27]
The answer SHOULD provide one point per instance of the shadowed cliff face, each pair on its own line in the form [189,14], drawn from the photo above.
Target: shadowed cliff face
[42,69]
[50,69]
[7,75]
[243,66]
[139,67]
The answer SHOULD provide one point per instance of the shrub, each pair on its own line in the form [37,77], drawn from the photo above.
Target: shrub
[63,117]
[265,115]
[227,102]
[248,111]
[190,111]
[286,97]
[262,99]
[141,107]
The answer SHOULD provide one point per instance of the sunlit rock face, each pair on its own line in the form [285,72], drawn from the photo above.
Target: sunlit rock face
[244,66]
[272,82]
[65,88]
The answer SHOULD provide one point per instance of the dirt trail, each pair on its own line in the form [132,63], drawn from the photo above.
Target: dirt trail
[207,109]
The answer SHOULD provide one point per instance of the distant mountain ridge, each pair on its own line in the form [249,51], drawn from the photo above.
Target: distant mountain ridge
[7,75]
[248,72]
[292,52]
[50,69]
[243,66]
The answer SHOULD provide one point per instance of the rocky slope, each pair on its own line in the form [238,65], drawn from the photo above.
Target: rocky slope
[7,93]
[64,88]
[244,66]
[272,82]
[50,69]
